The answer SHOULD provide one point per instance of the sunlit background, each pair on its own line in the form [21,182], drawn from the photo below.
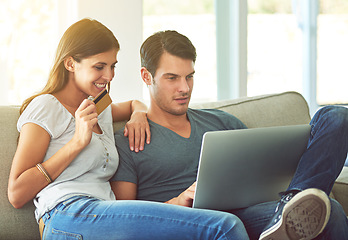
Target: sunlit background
[275,47]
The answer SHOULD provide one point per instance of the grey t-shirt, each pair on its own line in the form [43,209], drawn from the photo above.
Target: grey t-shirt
[168,165]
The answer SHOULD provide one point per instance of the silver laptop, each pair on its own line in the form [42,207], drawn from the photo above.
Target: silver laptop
[240,168]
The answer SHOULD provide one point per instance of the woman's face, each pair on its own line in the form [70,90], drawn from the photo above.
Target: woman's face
[92,74]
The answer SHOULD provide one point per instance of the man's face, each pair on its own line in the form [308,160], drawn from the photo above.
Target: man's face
[172,84]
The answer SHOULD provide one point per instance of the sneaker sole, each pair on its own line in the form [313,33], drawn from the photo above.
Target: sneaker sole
[304,217]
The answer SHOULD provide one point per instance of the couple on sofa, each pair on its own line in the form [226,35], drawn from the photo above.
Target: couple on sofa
[67,162]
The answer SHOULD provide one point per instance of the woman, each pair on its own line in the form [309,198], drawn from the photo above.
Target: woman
[66,153]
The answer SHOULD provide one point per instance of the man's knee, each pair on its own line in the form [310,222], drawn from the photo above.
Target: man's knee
[337,227]
[335,112]
[335,116]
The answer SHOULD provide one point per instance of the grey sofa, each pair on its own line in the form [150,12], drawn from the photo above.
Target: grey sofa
[288,108]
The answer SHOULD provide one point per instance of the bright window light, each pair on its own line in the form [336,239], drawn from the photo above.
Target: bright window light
[26,45]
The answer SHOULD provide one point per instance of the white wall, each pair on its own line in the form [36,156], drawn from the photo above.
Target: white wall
[125,20]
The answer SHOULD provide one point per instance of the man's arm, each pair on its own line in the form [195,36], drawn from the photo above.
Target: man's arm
[124,190]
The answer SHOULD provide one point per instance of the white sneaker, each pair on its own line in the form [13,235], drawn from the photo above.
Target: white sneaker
[301,215]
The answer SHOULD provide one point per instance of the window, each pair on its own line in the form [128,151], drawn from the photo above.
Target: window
[274,48]
[332,62]
[196,20]
[26,45]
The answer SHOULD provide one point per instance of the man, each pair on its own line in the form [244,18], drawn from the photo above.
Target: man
[167,167]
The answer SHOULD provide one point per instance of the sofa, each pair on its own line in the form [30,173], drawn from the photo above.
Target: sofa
[288,108]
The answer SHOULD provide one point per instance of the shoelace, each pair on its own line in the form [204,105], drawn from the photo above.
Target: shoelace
[284,199]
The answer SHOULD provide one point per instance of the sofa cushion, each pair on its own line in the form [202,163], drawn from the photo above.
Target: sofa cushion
[289,108]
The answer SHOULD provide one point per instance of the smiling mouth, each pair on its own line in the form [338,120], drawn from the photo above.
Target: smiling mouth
[100,85]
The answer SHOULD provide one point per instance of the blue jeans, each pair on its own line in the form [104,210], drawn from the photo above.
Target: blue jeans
[319,167]
[89,218]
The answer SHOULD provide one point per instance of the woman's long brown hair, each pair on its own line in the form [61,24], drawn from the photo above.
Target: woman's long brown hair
[83,39]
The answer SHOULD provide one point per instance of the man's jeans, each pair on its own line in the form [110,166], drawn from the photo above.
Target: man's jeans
[89,218]
[319,167]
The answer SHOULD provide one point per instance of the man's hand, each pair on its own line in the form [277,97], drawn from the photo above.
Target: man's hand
[185,198]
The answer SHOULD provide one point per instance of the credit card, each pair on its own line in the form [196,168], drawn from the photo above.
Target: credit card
[102,101]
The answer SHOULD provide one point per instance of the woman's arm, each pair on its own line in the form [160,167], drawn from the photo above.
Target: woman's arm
[137,128]
[25,180]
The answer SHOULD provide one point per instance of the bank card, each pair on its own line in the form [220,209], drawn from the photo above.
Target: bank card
[102,101]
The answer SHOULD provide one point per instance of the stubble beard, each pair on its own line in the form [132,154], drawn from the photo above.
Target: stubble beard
[173,111]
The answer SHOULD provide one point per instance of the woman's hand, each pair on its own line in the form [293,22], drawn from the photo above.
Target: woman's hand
[137,129]
[86,118]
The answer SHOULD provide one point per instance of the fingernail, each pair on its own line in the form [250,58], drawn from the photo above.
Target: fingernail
[132,149]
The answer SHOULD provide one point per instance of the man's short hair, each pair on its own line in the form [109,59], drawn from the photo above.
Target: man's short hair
[165,41]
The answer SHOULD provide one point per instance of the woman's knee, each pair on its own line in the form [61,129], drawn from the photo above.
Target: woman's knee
[233,227]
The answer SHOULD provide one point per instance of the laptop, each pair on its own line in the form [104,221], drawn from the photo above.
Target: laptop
[240,168]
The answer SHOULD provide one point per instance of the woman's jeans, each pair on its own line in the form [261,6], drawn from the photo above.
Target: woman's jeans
[319,167]
[89,218]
